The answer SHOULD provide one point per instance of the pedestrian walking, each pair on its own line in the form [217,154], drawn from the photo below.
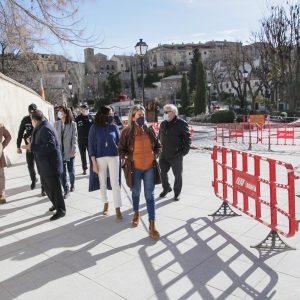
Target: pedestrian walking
[103,150]
[67,139]
[117,119]
[5,138]
[175,139]
[44,145]
[139,147]
[25,133]
[84,122]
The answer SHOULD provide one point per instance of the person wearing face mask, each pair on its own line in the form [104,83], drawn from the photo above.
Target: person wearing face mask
[67,138]
[175,139]
[25,132]
[103,150]
[44,145]
[139,147]
[84,122]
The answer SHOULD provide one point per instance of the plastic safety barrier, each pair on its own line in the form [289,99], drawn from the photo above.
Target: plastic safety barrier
[260,187]
[253,133]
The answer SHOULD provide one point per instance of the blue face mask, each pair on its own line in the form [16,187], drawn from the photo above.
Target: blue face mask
[60,115]
[140,121]
[166,117]
[110,119]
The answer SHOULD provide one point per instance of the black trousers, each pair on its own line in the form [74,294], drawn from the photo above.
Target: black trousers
[83,149]
[176,165]
[52,187]
[30,164]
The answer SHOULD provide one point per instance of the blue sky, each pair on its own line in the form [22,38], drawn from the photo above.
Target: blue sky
[124,22]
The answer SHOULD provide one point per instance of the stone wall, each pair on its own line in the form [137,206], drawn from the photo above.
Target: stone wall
[14,101]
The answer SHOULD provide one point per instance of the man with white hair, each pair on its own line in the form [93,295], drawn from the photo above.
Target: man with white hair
[175,139]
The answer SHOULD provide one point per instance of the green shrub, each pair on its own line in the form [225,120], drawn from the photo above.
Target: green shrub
[223,116]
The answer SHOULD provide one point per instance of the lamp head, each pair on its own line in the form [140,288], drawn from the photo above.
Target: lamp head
[141,48]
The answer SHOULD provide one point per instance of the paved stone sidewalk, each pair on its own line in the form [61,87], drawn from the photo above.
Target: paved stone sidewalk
[89,256]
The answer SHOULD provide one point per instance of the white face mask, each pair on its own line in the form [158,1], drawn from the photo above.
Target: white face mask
[85,112]
[60,115]
[166,117]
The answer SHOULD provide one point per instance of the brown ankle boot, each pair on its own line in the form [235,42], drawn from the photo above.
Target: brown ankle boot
[153,233]
[135,219]
[118,214]
[105,209]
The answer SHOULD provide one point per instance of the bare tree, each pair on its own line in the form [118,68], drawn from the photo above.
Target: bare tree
[35,20]
[280,52]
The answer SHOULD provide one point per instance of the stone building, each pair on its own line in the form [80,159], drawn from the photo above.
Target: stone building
[55,71]
[180,55]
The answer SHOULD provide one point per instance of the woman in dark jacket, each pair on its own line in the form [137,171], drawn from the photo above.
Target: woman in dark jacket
[103,150]
[139,146]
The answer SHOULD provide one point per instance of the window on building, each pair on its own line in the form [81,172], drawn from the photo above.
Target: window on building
[107,67]
[112,67]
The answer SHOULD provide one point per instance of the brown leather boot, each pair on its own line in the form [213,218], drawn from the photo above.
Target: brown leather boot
[153,233]
[118,214]
[135,219]
[105,209]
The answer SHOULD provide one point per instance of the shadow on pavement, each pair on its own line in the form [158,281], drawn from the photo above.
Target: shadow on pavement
[199,251]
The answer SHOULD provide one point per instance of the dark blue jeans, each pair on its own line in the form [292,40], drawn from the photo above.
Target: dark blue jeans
[68,165]
[148,177]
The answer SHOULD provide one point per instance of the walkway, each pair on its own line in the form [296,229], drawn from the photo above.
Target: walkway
[88,256]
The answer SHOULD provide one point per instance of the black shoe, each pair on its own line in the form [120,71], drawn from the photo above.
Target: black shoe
[57,216]
[43,193]
[72,189]
[52,208]
[176,197]
[66,195]
[84,172]
[33,183]
[164,193]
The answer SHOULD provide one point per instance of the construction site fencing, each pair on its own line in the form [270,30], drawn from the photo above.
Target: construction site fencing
[253,133]
[261,187]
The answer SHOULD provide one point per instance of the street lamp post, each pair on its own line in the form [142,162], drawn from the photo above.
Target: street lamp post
[141,49]
[209,102]
[245,75]
[70,86]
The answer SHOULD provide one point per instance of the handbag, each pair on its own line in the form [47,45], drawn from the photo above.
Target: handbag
[127,168]
[157,177]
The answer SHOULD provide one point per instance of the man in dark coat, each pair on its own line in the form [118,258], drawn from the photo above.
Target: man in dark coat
[44,145]
[175,139]
[25,132]
[84,122]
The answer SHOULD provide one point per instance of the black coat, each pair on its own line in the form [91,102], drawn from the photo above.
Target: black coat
[46,150]
[25,131]
[84,124]
[175,138]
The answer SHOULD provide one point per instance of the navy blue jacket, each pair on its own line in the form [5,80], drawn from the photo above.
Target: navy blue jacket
[46,150]
[103,141]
